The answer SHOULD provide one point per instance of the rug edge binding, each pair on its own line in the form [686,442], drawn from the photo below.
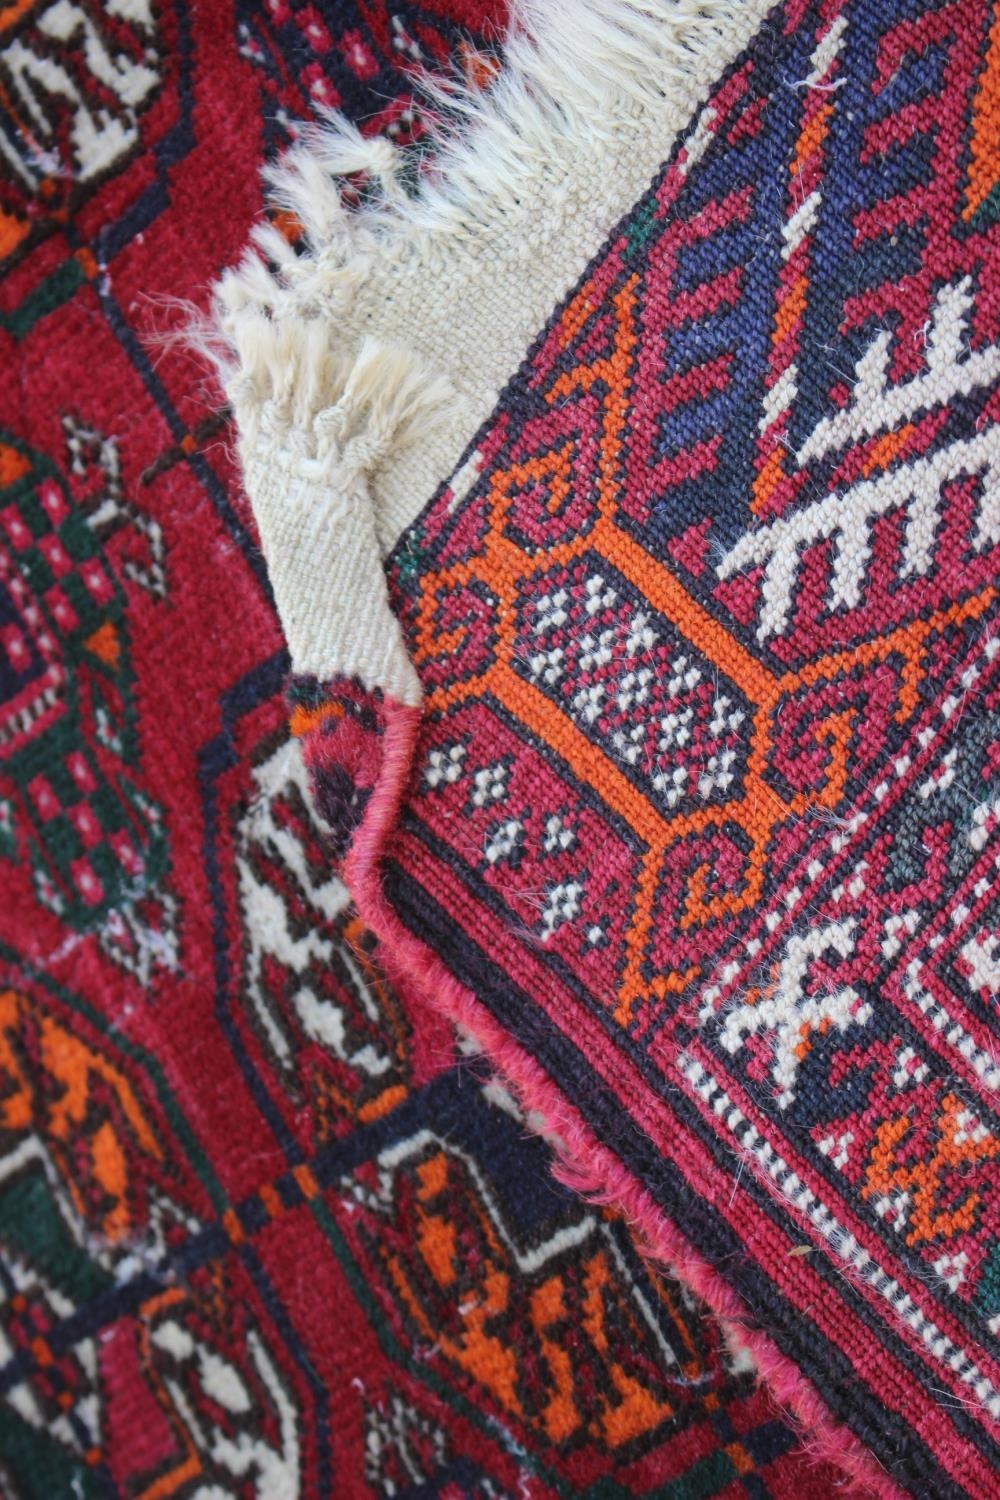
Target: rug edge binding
[582,1162]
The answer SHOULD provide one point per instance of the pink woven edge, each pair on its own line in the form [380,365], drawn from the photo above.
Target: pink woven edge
[583,1163]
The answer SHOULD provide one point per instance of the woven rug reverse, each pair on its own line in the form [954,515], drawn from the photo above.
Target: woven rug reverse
[630,488]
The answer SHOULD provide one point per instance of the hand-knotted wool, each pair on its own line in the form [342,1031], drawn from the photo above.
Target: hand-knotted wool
[260,1237]
[696,826]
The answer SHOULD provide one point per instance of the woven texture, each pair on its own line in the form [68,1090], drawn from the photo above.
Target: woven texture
[260,1234]
[702,811]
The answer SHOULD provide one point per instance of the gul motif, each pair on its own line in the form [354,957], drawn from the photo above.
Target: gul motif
[97,1327]
[429,1217]
[331,1026]
[70,797]
[76,77]
[230,1406]
[379,48]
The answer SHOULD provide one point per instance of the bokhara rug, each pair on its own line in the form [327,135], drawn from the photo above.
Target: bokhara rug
[263,1234]
[668,760]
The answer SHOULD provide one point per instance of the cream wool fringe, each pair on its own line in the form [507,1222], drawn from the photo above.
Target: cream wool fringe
[359,370]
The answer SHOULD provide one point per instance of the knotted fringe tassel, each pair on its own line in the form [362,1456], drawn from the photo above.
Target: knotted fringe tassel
[362,348]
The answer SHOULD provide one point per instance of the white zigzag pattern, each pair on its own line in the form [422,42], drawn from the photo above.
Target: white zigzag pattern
[847,518]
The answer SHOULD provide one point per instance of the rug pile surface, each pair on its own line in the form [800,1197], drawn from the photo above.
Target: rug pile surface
[263,1232]
[676,781]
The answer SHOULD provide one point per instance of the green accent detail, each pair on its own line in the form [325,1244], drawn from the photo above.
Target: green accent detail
[707,1477]
[40,1467]
[305,692]
[988,1290]
[34,1230]
[81,600]
[410,558]
[639,230]
[988,211]
[60,843]
[46,297]
[8,841]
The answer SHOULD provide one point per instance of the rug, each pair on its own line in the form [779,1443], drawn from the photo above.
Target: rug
[265,1231]
[668,760]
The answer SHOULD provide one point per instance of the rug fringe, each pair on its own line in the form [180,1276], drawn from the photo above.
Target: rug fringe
[578,76]
[398,318]
[312,425]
